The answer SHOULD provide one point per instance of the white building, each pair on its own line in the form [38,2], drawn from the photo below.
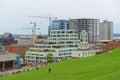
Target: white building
[62,44]
[25,39]
[84,49]
[106,30]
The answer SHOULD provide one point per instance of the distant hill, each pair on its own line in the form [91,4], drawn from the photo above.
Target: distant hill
[116,35]
[99,67]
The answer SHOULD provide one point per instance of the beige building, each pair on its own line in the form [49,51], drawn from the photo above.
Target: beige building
[106,30]
[25,39]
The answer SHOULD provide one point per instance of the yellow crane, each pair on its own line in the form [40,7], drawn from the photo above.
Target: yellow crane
[34,25]
[33,31]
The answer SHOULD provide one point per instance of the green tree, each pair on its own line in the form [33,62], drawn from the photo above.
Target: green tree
[49,58]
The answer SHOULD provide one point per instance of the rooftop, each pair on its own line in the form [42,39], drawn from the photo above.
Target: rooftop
[7,56]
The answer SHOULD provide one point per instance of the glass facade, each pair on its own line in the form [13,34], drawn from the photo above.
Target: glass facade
[58,25]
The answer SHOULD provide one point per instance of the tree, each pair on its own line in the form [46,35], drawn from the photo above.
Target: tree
[49,58]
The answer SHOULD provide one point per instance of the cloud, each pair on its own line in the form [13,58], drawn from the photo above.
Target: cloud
[14,13]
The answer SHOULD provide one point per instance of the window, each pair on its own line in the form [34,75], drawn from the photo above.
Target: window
[36,46]
[69,53]
[81,40]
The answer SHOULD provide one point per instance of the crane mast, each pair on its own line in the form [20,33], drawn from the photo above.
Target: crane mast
[34,26]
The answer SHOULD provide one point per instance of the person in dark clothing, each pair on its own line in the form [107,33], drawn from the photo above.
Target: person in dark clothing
[49,70]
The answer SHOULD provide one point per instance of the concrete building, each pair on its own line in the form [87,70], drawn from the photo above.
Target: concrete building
[58,25]
[59,45]
[84,49]
[7,60]
[90,25]
[25,39]
[62,44]
[106,30]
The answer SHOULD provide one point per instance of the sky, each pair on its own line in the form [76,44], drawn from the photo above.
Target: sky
[14,13]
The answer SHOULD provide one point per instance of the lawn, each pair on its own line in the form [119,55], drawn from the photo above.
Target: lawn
[100,67]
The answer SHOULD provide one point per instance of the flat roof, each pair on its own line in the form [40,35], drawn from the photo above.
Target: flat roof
[7,57]
[104,40]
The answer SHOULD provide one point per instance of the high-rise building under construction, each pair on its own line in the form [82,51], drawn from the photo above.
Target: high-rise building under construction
[90,25]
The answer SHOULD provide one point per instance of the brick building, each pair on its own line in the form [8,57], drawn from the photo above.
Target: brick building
[18,49]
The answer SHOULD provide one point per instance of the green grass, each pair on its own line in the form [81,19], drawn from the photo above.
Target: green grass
[100,67]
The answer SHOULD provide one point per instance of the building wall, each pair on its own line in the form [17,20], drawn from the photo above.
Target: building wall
[90,25]
[25,39]
[59,44]
[82,54]
[7,65]
[62,44]
[106,30]
[18,49]
[84,49]
[58,25]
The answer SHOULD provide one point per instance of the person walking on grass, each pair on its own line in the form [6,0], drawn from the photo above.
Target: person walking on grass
[49,70]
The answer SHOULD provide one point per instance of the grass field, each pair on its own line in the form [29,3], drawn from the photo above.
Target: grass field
[100,67]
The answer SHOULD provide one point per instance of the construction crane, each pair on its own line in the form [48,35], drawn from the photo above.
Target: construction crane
[49,18]
[34,25]
[33,31]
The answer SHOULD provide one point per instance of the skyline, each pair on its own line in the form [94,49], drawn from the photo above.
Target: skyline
[13,15]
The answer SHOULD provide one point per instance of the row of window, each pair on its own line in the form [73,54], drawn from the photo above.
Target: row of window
[61,54]
[67,50]
[75,38]
[33,54]
[87,53]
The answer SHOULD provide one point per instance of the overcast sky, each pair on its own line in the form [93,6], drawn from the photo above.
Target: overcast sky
[13,13]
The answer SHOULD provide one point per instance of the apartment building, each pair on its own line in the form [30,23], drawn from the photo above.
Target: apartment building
[62,44]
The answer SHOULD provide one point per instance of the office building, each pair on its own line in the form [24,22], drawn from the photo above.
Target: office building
[58,25]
